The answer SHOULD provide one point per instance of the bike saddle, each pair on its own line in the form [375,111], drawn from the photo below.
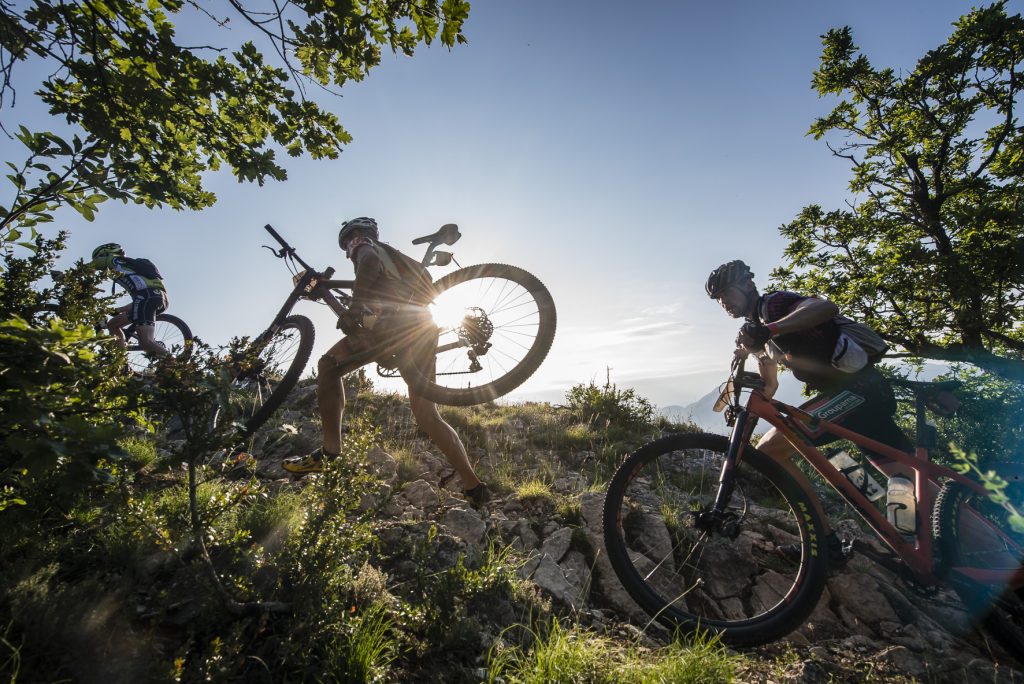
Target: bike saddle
[448,235]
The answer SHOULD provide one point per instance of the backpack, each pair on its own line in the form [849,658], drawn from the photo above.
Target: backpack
[144,267]
[413,277]
[869,340]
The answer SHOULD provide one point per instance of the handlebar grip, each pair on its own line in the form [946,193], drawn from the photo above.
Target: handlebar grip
[270,229]
[329,272]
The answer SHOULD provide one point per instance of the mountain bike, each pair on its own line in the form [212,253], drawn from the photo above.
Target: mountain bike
[493,323]
[692,523]
[169,331]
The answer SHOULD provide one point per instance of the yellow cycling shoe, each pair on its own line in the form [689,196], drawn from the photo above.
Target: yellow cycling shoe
[310,463]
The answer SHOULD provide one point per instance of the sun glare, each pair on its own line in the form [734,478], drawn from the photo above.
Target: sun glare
[447,312]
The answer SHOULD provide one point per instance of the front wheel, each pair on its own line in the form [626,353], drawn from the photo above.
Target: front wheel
[975,531]
[693,568]
[496,324]
[272,368]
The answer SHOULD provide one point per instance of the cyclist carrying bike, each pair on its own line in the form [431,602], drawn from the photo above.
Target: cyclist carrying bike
[389,304]
[141,279]
[806,334]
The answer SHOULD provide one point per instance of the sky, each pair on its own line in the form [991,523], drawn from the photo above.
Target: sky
[618,151]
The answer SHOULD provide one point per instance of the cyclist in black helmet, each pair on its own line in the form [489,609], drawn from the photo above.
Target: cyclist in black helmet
[806,334]
[389,301]
[141,279]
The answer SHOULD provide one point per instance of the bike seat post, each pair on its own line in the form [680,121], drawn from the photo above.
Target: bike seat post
[927,435]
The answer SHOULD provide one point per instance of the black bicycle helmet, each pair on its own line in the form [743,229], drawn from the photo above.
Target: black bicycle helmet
[361,223]
[109,249]
[727,275]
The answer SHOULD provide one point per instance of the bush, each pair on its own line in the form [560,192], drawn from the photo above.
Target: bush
[605,407]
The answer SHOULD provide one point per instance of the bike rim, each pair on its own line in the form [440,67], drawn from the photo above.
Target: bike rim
[494,309]
[700,577]
[165,333]
[275,359]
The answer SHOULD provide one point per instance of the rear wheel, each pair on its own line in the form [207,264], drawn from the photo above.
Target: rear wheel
[275,363]
[692,569]
[496,324]
[976,531]
[169,331]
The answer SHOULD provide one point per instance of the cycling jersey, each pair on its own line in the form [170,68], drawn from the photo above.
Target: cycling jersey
[862,401]
[809,353]
[126,276]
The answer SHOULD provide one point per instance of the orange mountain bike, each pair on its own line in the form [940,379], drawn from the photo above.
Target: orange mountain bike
[692,523]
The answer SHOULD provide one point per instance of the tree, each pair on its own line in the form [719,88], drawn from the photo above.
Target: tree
[931,251]
[150,113]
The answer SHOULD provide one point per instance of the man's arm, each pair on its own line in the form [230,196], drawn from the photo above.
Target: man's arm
[769,372]
[807,314]
[369,272]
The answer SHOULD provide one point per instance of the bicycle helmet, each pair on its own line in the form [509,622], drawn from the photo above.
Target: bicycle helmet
[361,223]
[109,249]
[727,275]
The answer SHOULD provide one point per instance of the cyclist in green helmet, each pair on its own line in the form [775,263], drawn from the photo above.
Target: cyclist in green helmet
[389,301]
[141,279]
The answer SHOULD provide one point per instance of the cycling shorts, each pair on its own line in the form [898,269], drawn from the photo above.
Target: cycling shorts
[865,404]
[146,304]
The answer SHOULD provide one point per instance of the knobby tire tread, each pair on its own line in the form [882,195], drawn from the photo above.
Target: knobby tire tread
[307,334]
[944,523]
[470,396]
[762,629]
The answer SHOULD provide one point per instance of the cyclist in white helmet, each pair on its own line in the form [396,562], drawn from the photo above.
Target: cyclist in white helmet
[389,300]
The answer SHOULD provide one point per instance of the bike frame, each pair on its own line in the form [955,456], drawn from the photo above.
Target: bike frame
[318,286]
[916,555]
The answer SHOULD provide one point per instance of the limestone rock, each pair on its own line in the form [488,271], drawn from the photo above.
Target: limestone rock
[467,524]
[421,495]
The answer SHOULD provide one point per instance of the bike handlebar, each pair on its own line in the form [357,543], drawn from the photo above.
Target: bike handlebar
[270,229]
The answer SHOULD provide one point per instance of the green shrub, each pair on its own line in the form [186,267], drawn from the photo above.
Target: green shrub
[617,412]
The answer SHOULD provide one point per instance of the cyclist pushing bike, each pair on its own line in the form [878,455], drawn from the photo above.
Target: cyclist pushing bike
[141,279]
[389,305]
[824,350]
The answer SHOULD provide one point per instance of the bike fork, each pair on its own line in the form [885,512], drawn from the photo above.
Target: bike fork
[727,477]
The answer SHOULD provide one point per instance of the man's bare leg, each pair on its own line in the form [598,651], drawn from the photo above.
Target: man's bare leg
[778,448]
[118,321]
[445,437]
[330,392]
[147,340]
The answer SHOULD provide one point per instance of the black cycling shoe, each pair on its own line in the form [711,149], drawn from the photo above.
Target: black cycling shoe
[839,552]
[477,496]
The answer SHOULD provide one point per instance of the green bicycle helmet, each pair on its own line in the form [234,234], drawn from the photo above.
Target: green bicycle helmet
[109,249]
[727,275]
[361,223]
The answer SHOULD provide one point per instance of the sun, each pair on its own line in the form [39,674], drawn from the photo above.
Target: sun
[448,312]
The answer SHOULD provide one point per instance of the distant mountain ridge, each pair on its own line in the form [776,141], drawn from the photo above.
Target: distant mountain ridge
[701,412]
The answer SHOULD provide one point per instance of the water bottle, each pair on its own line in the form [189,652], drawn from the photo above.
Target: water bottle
[901,504]
[857,475]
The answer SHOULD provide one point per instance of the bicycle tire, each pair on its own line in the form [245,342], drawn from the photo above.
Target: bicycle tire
[520,301]
[739,587]
[170,331]
[270,392]
[961,542]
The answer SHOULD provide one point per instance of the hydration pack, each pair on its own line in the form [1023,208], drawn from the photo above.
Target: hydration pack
[408,274]
[143,267]
[869,340]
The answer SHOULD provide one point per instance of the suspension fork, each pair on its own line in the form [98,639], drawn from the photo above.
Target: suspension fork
[741,432]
